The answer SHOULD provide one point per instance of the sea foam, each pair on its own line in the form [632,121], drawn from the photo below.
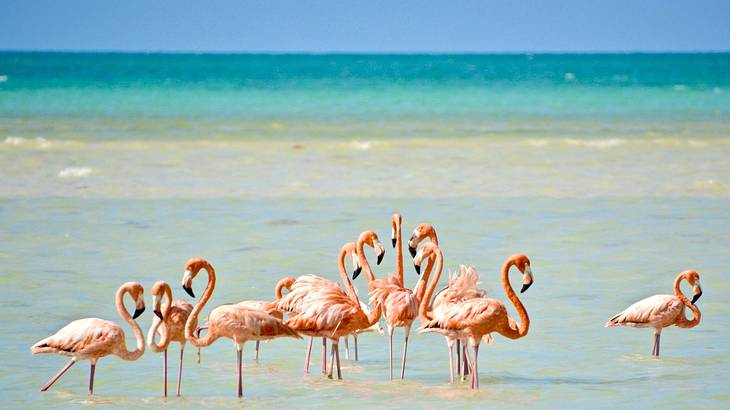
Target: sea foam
[74,172]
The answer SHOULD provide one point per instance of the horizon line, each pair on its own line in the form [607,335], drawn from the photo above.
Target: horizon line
[342,52]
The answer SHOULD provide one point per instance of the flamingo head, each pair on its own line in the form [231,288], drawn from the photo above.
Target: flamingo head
[136,291]
[421,232]
[425,252]
[158,293]
[694,279]
[192,267]
[523,264]
[370,238]
[351,249]
[396,225]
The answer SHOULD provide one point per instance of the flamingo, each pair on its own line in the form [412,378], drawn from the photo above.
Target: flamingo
[461,286]
[377,327]
[421,232]
[474,319]
[400,305]
[92,338]
[329,312]
[660,311]
[303,289]
[231,321]
[169,323]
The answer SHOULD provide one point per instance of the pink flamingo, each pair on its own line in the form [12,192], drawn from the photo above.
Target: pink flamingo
[330,313]
[231,321]
[660,311]
[476,318]
[427,231]
[169,323]
[91,338]
[400,305]
[304,289]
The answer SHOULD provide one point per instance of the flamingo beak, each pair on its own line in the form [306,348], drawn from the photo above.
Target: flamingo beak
[138,311]
[528,279]
[393,241]
[697,292]
[418,268]
[156,304]
[187,282]
[356,272]
[380,256]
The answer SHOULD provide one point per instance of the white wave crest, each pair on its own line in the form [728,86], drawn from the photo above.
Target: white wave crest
[14,140]
[362,146]
[3,78]
[74,172]
[603,143]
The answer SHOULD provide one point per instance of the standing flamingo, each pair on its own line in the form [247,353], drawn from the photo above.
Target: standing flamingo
[474,319]
[660,311]
[303,289]
[421,232]
[400,305]
[169,323]
[91,338]
[330,313]
[231,321]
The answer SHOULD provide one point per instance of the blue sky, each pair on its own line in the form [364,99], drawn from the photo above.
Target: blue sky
[365,26]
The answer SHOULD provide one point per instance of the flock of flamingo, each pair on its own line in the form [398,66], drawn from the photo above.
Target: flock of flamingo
[321,308]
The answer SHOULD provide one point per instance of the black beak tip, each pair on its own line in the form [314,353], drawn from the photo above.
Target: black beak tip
[189,291]
[158,313]
[393,241]
[696,297]
[356,273]
[525,287]
[412,251]
[137,312]
[418,268]
[380,257]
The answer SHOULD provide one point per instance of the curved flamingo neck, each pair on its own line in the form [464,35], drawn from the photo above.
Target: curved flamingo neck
[363,260]
[421,285]
[696,314]
[343,274]
[524,326]
[285,283]
[193,318]
[399,253]
[164,336]
[138,335]
[423,312]
[159,324]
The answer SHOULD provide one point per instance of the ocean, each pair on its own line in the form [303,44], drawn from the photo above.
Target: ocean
[609,171]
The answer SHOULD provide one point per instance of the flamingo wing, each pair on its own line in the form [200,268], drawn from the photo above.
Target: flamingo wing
[82,337]
[469,313]
[657,310]
[250,323]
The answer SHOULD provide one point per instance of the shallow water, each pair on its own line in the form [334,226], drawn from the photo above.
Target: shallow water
[612,180]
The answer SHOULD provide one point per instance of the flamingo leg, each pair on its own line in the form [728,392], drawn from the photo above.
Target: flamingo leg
[58,375]
[258,343]
[449,343]
[324,356]
[407,331]
[309,355]
[339,370]
[239,365]
[657,336]
[164,373]
[355,337]
[91,379]
[466,366]
[332,360]
[458,357]
[475,369]
[347,347]
[390,350]
[467,361]
[179,371]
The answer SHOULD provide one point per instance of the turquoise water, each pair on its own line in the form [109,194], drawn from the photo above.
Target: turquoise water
[609,171]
